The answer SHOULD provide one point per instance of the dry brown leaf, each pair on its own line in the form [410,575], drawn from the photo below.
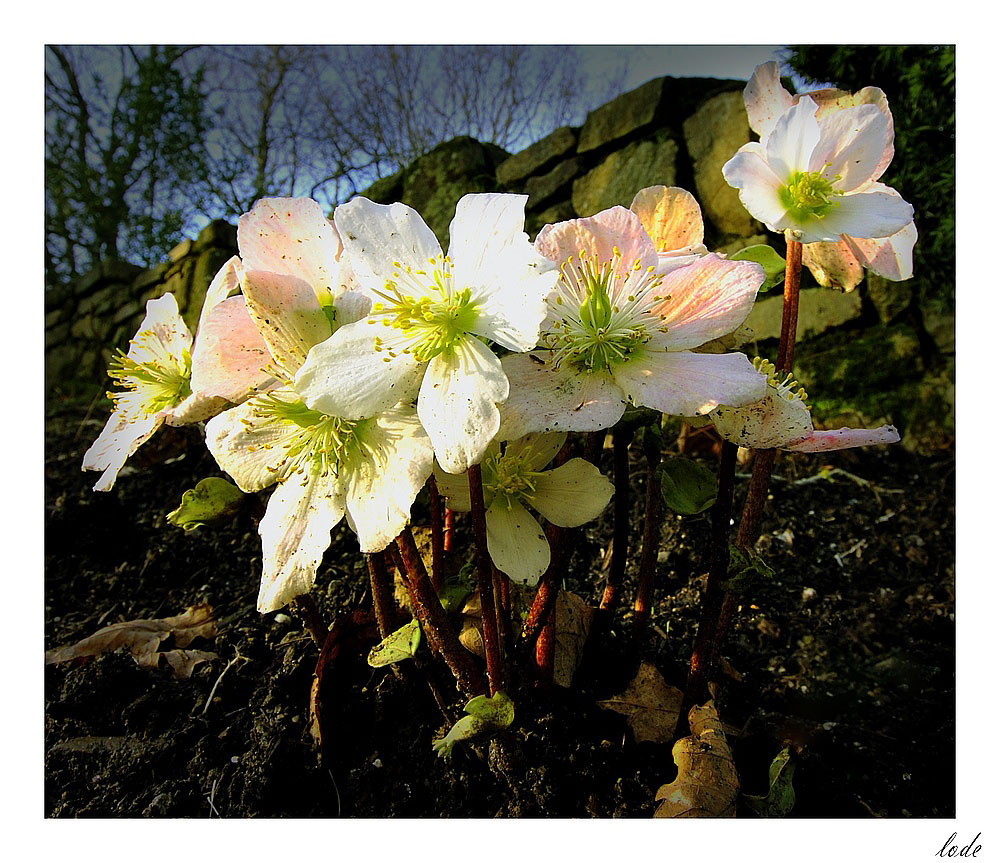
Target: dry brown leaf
[142,639]
[706,783]
[573,617]
[649,704]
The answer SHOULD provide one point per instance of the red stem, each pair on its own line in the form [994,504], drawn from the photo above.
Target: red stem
[650,533]
[619,552]
[484,570]
[385,604]
[437,535]
[790,307]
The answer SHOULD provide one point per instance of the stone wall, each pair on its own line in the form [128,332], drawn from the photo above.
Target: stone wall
[881,353]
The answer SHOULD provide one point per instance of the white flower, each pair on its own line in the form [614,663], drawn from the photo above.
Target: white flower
[782,420]
[840,263]
[815,175]
[326,467]
[164,380]
[568,496]
[619,331]
[432,313]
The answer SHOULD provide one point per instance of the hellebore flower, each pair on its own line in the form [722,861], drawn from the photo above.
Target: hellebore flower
[672,218]
[432,314]
[815,175]
[569,495]
[163,380]
[782,420]
[326,467]
[618,331]
[840,263]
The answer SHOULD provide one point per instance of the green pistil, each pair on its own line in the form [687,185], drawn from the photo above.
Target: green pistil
[508,476]
[319,443]
[159,385]
[808,194]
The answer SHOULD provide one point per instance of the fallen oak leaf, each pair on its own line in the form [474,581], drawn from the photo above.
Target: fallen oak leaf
[650,705]
[573,619]
[142,639]
[706,783]
[183,662]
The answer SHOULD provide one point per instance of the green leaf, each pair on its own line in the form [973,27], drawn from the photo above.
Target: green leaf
[745,570]
[397,646]
[780,798]
[212,499]
[768,258]
[456,588]
[688,487]
[486,715]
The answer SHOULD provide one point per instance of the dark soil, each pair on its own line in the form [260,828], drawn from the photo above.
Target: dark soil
[847,655]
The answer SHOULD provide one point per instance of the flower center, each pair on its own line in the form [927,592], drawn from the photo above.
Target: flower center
[311,441]
[605,312]
[425,307]
[508,475]
[808,193]
[158,383]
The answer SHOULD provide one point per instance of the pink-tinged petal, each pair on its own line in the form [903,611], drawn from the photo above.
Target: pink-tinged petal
[771,422]
[545,398]
[874,96]
[765,99]
[379,495]
[872,213]
[295,533]
[288,315]
[795,136]
[706,300]
[833,265]
[292,237]
[225,282]
[829,100]
[758,185]
[824,441]
[853,141]
[688,384]
[249,449]
[120,438]
[537,449]
[458,403]
[376,235]
[346,376]
[676,260]
[162,331]
[572,494]
[598,236]
[891,257]
[515,541]
[230,355]
[196,408]
[671,216]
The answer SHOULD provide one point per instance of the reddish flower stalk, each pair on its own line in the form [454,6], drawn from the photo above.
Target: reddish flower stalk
[545,650]
[449,528]
[650,533]
[484,570]
[790,307]
[434,621]
[437,534]
[382,599]
[548,588]
[619,551]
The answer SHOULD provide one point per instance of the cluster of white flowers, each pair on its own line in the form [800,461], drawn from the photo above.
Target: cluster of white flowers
[339,360]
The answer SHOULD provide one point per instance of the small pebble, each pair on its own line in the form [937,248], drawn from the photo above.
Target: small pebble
[235,759]
[282,618]
[808,594]
[377,762]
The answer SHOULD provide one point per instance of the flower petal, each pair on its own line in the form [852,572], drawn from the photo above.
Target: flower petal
[376,235]
[852,143]
[455,487]
[288,315]
[380,494]
[162,330]
[546,398]
[758,185]
[537,449]
[707,299]
[824,441]
[871,213]
[516,542]
[345,376]
[688,384]
[795,136]
[223,284]
[458,403]
[671,216]
[572,494]
[890,257]
[765,99]
[771,422]
[120,438]
[230,354]
[295,533]
[291,237]
[833,265]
